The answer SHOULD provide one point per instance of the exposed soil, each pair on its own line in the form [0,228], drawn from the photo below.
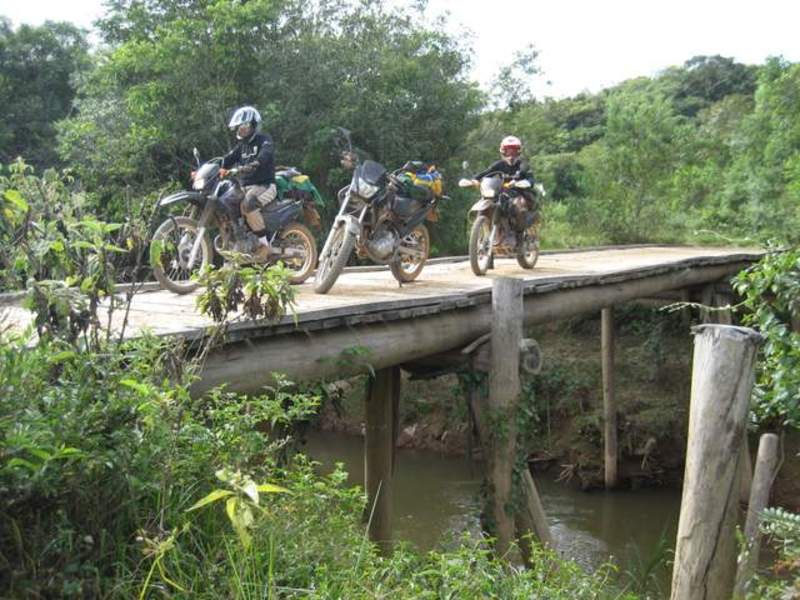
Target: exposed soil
[653,379]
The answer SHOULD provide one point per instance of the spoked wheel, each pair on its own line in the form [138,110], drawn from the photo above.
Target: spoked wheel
[170,253]
[480,252]
[528,247]
[409,266]
[334,257]
[297,238]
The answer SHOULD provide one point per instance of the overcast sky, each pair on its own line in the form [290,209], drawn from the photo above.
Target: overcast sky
[583,44]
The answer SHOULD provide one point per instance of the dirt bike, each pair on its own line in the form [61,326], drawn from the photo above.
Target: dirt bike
[505,223]
[181,246]
[381,215]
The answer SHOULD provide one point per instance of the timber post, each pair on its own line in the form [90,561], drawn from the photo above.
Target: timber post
[383,390]
[722,381]
[504,389]
[766,462]
[609,399]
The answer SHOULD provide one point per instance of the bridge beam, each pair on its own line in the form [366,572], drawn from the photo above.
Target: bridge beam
[309,356]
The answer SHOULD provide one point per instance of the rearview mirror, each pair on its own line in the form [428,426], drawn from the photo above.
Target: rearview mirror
[196,155]
[465,165]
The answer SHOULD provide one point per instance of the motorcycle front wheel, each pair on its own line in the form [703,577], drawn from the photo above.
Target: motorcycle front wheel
[407,268]
[169,254]
[528,247]
[334,257]
[480,251]
[297,237]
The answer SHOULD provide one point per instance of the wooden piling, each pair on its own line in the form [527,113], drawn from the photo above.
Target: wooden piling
[609,399]
[504,389]
[766,463]
[382,390]
[722,381]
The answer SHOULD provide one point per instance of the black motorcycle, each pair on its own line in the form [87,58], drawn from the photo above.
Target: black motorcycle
[181,247]
[506,223]
[382,216]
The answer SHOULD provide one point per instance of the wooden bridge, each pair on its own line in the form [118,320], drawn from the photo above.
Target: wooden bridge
[368,323]
[368,319]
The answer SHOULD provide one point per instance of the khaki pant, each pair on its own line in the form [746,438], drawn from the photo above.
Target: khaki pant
[257,197]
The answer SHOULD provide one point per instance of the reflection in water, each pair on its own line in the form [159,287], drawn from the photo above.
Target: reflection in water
[436,497]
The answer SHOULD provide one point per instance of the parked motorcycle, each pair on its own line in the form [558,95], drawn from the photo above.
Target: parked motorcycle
[505,223]
[181,246]
[382,216]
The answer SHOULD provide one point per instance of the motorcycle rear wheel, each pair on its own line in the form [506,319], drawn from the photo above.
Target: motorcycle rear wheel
[480,252]
[528,248]
[334,258]
[170,248]
[407,268]
[298,236]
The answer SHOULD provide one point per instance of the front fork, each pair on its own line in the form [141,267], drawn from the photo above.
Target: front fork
[202,225]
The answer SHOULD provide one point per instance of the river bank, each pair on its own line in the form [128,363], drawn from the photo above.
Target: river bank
[564,437]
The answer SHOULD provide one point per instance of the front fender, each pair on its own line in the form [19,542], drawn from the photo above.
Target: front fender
[191,197]
[482,205]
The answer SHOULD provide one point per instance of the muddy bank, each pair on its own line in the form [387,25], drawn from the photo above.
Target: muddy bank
[563,404]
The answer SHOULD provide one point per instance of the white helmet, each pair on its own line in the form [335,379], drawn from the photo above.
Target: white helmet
[510,146]
[243,116]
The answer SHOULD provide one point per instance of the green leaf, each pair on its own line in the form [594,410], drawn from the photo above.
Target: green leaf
[212,497]
[15,198]
[135,385]
[269,488]
[21,462]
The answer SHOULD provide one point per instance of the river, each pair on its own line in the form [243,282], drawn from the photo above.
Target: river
[436,499]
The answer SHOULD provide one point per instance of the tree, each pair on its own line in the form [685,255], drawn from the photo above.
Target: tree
[37,65]
[175,74]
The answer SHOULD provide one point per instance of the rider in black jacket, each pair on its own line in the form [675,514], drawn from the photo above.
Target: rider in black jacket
[254,157]
[510,163]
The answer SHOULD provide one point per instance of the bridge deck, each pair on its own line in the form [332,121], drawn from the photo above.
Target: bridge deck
[445,284]
[358,293]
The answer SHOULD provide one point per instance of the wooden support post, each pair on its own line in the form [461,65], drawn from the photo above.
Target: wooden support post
[766,462]
[504,389]
[722,381]
[379,452]
[609,400]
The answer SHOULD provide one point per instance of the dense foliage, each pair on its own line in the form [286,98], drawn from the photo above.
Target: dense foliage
[103,452]
[37,68]
[771,291]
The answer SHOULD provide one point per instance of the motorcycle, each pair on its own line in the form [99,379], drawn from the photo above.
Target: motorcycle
[381,215]
[505,224]
[181,248]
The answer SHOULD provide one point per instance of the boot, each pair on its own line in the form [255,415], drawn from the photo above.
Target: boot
[241,243]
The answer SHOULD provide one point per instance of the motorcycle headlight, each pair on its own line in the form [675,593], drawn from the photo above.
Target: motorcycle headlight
[199,183]
[366,189]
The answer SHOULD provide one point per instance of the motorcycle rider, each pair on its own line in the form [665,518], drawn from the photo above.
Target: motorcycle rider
[254,158]
[511,164]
